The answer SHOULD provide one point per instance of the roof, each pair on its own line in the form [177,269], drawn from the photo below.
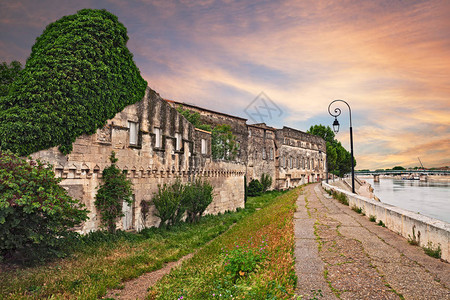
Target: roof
[262,125]
[204,109]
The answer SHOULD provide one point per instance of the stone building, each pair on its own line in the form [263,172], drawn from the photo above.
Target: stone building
[291,157]
[156,145]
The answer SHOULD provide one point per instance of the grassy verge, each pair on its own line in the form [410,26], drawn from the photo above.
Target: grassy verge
[101,261]
[253,260]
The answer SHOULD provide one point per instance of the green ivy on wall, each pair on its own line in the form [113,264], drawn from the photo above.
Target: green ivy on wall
[79,75]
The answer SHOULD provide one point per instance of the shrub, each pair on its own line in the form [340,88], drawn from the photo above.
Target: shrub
[255,188]
[36,214]
[242,260]
[196,198]
[112,193]
[167,202]
[372,218]
[80,74]
[266,181]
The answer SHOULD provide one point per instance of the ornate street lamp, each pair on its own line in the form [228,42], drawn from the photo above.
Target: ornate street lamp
[337,113]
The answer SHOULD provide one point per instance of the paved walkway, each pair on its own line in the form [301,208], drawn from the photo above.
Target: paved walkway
[342,255]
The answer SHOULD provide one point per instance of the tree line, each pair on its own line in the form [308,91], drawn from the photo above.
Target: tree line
[338,158]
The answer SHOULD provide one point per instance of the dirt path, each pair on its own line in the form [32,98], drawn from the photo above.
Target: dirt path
[138,288]
[353,258]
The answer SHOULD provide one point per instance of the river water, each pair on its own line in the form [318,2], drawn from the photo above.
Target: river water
[431,199]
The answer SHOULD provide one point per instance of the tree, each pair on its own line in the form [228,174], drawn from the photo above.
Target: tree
[338,158]
[193,118]
[255,188]
[197,197]
[115,190]
[8,73]
[36,214]
[223,143]
[400,168]
[80,74]
[266,181]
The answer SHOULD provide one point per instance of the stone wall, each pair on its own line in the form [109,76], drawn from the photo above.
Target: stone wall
[262,152]
[165,146]
[301,158]
[403,222]
[238,125]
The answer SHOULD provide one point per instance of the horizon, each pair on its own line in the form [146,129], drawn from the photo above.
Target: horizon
[388,59]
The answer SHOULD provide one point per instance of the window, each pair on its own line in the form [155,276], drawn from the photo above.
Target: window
[264,153]
[203,146]
[250,132]
[312,163]
[178,141]
[157,133]
[134,130]
[308,163]
[290,162]
[271,153]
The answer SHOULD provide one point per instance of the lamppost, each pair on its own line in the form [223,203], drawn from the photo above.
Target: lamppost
[337,112]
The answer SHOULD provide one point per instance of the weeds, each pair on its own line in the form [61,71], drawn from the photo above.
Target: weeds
[372,218]
[101,261]
[262,268]
[413,240]
[430,250]
[357,209]
[380,223]
[341,197]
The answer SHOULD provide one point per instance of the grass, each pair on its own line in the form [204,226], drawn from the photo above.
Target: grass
[357,209]
[341,197]
[207,275]
[432,251]
[101,261]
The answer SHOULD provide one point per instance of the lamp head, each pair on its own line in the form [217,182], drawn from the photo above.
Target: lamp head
[336,125]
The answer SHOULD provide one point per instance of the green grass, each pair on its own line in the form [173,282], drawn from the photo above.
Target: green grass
[101,261]
[432,251]
[207,275]
[341,197]
[357,209]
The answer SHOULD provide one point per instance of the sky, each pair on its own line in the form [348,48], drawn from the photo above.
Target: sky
[283,63]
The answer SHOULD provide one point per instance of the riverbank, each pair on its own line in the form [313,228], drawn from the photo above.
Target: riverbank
[417,228]
[342,254]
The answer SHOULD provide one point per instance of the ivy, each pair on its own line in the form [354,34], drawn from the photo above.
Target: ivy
[115,190]
[223,143]
[79,74]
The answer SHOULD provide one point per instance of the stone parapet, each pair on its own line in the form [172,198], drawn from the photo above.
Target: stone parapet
[410,225]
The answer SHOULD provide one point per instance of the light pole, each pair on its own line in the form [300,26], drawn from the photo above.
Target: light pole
[337,112]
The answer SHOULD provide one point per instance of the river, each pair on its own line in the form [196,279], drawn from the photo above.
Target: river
[431,199]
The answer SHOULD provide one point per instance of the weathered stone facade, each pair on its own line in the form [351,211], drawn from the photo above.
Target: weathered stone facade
[291,157]
[156,145]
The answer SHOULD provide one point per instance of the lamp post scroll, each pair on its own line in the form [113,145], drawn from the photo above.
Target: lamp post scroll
[337,113]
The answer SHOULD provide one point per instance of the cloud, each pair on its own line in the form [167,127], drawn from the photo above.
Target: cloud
[388,59]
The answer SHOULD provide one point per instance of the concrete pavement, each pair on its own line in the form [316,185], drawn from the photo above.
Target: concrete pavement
[341,254]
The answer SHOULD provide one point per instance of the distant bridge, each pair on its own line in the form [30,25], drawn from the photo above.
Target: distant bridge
[404,172]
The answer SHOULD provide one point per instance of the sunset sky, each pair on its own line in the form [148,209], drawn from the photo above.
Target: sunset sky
[389,59]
